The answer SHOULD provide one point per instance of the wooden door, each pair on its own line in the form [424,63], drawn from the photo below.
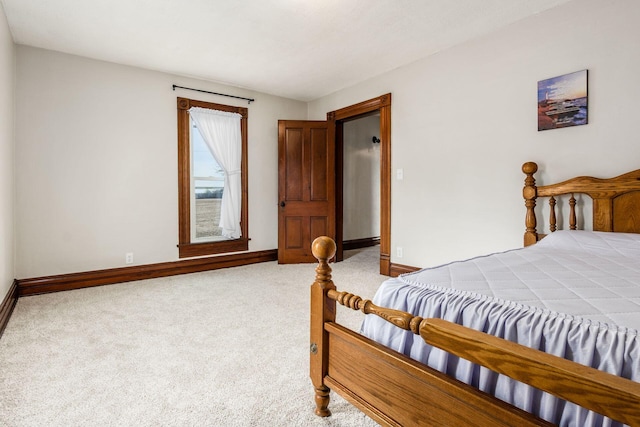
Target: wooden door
[306,187]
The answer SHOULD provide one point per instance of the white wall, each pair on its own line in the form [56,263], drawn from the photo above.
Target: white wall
[96,162]
[464,121]
[361,188]
[7,78]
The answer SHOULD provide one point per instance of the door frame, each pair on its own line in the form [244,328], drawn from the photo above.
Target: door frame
[336,119]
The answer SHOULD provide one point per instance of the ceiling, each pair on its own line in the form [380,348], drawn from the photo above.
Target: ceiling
[298,49]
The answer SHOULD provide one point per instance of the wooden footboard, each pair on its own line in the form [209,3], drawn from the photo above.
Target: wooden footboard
[397,391]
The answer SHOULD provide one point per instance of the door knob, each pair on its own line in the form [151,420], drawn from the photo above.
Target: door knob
[282,204]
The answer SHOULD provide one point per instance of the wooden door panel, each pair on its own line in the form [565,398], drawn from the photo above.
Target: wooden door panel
[306,188]
[318,226]
[319,183]
[294,232]
[294,164]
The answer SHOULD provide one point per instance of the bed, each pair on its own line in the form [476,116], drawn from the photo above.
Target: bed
[460,354]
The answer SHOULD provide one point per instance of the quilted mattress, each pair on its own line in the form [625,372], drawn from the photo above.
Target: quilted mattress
[575,294]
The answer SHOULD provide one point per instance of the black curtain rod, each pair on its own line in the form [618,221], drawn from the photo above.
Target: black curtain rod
[214,93]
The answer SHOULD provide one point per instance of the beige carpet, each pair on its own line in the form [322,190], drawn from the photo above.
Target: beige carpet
[221,348]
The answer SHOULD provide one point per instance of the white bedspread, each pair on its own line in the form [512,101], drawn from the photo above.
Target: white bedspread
[575,294]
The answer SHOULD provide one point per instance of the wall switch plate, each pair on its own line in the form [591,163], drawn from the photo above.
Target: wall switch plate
[400,174]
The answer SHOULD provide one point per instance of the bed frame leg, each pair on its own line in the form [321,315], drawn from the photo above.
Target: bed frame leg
[322,401]
[323,309]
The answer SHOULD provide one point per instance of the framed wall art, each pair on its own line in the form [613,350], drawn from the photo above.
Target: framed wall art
[562,101]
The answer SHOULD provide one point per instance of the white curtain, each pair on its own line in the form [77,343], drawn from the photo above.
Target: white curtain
[221,131]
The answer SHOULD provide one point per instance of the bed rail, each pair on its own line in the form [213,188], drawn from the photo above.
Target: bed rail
[616,202]
[615,397]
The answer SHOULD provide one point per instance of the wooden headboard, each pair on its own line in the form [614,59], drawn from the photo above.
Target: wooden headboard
[616,202]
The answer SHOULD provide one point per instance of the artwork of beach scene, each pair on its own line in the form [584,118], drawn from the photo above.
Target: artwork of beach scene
[562,101]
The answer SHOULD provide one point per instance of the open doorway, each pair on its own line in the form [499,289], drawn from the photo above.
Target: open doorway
[361,182]
[379,107]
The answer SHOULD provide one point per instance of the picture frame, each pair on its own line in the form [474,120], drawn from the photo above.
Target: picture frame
[563,101]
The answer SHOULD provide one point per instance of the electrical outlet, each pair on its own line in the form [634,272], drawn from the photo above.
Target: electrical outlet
[399,251]
[128,258]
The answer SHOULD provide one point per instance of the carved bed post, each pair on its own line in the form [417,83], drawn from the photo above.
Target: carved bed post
[323,309]
[530,192]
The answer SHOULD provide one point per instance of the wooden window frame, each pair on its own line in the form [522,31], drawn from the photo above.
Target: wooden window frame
[185,247]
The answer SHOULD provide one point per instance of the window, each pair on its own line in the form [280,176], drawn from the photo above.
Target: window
[206,189]
[201,184]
